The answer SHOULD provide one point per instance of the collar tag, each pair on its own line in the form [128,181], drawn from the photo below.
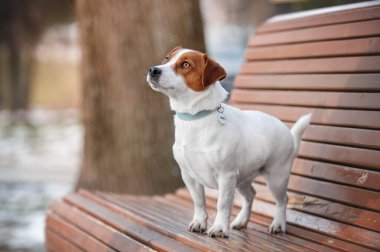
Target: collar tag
[221,117]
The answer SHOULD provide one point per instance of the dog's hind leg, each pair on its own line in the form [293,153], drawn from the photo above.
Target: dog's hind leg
[277,183]
[248,193]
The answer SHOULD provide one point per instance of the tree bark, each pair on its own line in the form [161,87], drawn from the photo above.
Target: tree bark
[129,127]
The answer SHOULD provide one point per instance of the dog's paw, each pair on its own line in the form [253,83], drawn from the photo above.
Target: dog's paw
[277,227]
[198,226]
[218,230]
[239,223]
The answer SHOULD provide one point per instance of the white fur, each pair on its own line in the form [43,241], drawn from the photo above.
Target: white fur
[228,157]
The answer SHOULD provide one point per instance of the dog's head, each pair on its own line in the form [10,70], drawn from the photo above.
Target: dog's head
[184,69]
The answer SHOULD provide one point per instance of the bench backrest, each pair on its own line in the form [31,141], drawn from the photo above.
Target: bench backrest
[328,64]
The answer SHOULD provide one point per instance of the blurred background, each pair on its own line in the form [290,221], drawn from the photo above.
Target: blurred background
[75,110]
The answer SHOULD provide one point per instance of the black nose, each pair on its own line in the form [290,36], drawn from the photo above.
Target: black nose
[154,71]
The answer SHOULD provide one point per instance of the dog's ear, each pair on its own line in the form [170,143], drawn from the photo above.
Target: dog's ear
[213,72]
[174,49]
[169,54]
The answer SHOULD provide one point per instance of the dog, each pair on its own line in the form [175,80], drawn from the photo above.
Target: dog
[221,147]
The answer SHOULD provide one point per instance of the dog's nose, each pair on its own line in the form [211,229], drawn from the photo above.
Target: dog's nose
[154,71]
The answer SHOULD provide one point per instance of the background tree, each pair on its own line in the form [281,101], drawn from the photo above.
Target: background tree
[22,22]
[128,126]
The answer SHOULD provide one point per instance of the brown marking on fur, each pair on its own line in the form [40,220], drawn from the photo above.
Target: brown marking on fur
[201,72]
[213,72]
[171,54]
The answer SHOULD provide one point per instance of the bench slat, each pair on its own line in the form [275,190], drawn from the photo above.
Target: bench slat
[321,233]
[309,98]
[335,48]
[349,233]
[254,233]
[56,243]
[343,136]
[169,218]
[337,82]
[347,16]
[338,173]
[338,31]
[316,65]
[97,229]
[140,233]
[333,117]
[309,239]
[340,154]
[324,208]
[344,194]
[74,235]
[176,234]
[256,227]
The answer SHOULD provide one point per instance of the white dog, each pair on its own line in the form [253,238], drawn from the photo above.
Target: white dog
[222,147]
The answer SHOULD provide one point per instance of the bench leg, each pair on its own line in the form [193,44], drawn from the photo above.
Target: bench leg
[248,193]
[197,192]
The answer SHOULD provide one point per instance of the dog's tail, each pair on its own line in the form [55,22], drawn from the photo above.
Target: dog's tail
[298,129]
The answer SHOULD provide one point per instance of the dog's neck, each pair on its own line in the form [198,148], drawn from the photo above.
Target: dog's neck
[192,102]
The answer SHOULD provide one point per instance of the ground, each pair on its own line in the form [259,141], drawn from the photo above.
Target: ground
[38,163]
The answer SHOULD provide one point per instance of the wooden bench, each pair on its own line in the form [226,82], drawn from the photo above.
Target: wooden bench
[326,63]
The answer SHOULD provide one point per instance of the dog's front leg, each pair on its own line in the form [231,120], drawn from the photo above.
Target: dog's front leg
[197,192]
[226,186]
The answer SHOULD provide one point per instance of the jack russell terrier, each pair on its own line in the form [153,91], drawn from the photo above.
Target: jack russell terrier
[222,147]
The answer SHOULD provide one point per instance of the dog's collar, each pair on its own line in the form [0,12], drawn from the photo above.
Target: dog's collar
[201,114]
[190,117]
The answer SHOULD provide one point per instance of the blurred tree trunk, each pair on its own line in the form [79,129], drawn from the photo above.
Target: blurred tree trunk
[129,127]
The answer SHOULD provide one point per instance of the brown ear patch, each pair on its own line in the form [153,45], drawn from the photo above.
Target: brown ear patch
[171,54]
[200,71]
[213,72]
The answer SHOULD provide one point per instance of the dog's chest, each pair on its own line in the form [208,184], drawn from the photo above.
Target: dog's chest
[199,164]
[202,152]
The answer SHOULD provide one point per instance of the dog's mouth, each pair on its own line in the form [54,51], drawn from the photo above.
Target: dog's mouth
[156,85]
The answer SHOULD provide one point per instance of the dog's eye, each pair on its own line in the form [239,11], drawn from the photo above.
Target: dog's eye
[185,64]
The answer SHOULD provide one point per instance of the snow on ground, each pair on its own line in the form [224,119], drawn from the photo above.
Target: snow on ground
[38,163]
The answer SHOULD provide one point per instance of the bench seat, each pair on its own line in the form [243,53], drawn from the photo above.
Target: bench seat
[326,62]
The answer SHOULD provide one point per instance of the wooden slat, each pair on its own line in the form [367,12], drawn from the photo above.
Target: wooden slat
[296,219]
[365,64]
[76,236]
[347,118]
[349,233]
[314,240]
[97,229]
[56,243]
[172,218]
[362,138]
[343,174]
[347,16]
[254,233]
[340,154]
[335,48]
[338,82]
[253,230]
[142,234]
[327,209]
[331,32]
[181,236]
[344,194]
[309,98]
[343,136]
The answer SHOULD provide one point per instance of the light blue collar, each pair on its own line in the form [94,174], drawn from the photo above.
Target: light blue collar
[190,117]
